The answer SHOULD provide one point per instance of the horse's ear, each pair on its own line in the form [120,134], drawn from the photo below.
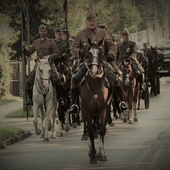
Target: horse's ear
[89,41]
[37,60]
[101,42]
[49,60]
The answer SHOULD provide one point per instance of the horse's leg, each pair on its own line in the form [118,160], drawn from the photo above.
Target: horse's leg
[92,151]
[53,118]
[35,121]
[67,125]
[101,152]
[59,132]
[42,121]
[85,129]
[138,98]
[49,111]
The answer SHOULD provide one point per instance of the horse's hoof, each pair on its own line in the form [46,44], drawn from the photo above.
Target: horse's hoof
[101,158]
[42,136]
[60,134]
[130,121]
[135,119]
[93,161]
[112,124]
[67,128]
[74,125]
[52,137]
[124,120]
[38,132]
[84,137]
[46,140]
[96,135]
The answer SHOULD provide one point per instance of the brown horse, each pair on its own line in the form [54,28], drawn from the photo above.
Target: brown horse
[129,86]
[94,97]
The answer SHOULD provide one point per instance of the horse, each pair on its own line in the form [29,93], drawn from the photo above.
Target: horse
[94,97]
[141,92]
[129,86]
[153,74]
[64,73]
[44,99]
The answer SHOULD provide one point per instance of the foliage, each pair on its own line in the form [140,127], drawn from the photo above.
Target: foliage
[9,132]
[7,38]
[19,114]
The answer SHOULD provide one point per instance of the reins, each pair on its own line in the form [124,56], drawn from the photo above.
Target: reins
[40,89]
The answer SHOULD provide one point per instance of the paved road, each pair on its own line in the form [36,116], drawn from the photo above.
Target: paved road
[145,145]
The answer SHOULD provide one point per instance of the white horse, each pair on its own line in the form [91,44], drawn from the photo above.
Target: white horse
[44,99]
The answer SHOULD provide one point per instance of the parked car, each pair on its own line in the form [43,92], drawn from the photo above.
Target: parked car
[165,64]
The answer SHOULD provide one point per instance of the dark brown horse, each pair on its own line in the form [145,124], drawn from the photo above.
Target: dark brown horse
[153,75]
[94,101]
[129,86]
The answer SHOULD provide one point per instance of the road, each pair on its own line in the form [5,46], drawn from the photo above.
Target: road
[144,145]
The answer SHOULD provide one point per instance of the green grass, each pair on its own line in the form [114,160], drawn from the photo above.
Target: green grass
[18,114]
[8,99]
[9,132]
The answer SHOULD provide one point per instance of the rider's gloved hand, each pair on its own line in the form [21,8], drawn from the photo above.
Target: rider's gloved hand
[82,53]
[110,57]
[62,57]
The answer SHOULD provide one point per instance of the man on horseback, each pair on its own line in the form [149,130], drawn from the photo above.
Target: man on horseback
[128,49]
[79,51]
[45,48]
[145,49]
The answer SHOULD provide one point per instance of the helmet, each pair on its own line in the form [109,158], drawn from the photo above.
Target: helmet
[123,106]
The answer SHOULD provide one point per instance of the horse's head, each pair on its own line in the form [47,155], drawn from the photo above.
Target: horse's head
[95,58]
[127,71]
[43,74]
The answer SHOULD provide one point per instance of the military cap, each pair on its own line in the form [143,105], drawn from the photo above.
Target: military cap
[125,33]
[90,16]
[59,30]
[42,27]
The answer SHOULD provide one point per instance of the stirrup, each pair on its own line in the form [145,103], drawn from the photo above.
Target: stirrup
[29,102]
[123,106]
[74,109]
[60,101]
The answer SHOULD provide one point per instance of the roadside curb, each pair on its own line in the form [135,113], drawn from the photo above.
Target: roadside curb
[8,142]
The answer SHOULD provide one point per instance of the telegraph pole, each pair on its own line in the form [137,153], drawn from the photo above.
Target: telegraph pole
[156,22]
[120,17]
[91,10]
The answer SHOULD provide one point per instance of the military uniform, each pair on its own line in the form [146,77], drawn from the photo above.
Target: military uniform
[129,50]
[79,50]
[43,47]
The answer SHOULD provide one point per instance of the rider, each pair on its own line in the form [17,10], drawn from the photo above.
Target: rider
[79,50]
[145,49]
[128,49]
[44,48]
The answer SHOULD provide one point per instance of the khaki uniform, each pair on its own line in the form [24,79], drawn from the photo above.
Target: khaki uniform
[81,41]
[43,48]
[128,49]
[62,46]
[146,51]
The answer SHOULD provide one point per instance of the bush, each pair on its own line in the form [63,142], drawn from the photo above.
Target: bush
[9,132]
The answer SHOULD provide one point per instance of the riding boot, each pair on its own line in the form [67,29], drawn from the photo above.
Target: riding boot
[74,97]
[59,95]
[122,97]
[29,101]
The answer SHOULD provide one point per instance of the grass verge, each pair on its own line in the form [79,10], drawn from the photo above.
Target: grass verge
[9,132]
[18,114]
[8,99]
